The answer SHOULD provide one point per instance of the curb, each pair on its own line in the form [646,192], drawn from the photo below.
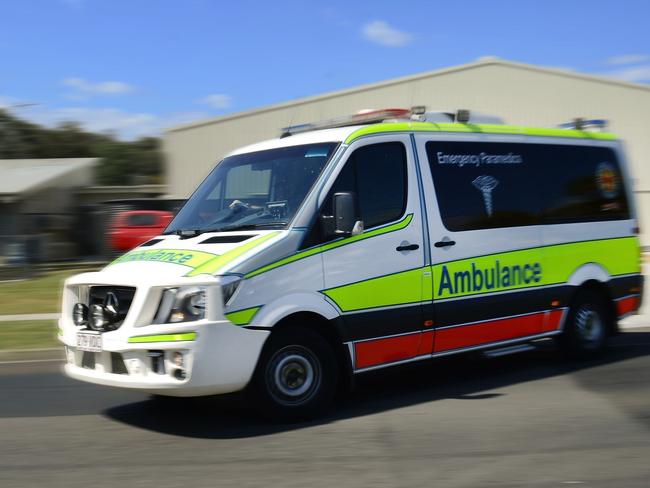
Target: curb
[29,317]
[635,322]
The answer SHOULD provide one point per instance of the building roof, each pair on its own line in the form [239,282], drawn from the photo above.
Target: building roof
[18,176]
[481,62]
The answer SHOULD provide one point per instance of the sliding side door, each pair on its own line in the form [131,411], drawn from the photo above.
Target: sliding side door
[483,208]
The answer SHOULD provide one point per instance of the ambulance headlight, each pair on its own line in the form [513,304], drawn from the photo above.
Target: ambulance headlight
[229,285]
[185,304]
[80,314]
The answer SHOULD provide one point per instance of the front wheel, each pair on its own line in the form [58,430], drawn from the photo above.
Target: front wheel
[585,331]
[296,376]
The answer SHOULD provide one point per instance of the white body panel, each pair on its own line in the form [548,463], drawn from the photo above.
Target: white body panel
[359,261]
[281,278]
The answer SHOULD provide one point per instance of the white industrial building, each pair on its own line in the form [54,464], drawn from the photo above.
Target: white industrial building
[521,94]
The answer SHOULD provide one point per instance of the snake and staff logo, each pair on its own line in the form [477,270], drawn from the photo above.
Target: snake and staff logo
[486,184]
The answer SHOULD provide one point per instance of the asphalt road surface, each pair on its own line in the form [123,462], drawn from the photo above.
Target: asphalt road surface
[531,419]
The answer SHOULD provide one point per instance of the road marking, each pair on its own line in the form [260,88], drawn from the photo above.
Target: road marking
[32,361]
[40,349]
[635,322]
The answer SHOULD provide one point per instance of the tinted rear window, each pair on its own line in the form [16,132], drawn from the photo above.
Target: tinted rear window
[488,185]
[582,184]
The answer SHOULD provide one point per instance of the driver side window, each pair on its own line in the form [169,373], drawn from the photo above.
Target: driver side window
[377,175]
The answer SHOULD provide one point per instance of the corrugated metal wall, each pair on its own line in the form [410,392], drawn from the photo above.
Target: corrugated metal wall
[520,94]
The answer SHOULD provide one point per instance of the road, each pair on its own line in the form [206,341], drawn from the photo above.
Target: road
[531,419]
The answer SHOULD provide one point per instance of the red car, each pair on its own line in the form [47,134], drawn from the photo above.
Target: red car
[133,227]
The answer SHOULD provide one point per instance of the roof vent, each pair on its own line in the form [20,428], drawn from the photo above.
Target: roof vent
[462,116]
[151,242]
[227,239]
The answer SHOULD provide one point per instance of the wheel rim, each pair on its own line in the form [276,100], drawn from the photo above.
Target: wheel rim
[293,375]
[590,326]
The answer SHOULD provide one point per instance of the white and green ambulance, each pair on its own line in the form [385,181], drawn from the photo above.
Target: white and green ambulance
[362,243]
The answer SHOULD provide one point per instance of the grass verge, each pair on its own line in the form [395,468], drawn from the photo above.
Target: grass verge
[36,295]
[29,334]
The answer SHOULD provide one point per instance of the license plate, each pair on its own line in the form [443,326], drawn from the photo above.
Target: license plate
[89,342]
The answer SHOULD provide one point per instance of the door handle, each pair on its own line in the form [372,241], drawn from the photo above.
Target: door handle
[408,247]
[445,243]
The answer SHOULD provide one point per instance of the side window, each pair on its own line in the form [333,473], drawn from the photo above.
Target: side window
[584,184]
[377,174]
[141,220]
[485,185]
[488,185]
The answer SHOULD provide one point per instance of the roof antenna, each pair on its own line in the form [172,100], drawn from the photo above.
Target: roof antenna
[286,132]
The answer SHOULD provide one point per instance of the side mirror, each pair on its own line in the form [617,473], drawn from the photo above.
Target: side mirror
[345,214]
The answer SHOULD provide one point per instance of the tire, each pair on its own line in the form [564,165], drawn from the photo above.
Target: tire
[296,376]
[587,325]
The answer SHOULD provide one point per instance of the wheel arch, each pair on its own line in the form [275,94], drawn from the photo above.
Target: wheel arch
[312,311]
[330,330]
[596,278]
[589,272]
[279,309]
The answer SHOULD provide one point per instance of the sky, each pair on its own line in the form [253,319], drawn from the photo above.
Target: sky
[136,67]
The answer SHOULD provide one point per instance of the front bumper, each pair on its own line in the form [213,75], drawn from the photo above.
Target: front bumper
[221,359]
[218,356]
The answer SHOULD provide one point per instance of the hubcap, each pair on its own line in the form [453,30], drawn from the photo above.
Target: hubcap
[293,375]
[590,326]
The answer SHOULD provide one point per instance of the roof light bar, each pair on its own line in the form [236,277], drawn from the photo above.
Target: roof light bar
[361,117]
[418,113]
[582,124]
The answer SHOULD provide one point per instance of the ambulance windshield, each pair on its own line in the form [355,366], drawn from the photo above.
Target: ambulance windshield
[262,189]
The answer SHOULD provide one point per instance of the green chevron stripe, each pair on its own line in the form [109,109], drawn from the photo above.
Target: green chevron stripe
[333,245]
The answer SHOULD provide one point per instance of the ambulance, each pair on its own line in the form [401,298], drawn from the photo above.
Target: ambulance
[365,242]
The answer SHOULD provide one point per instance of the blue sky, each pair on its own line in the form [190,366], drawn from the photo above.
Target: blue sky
[136,66]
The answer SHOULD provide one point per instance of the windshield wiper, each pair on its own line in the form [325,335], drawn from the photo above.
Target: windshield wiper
[249,226]
[189,233]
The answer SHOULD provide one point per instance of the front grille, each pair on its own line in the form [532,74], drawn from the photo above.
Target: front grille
[99,295]
[88,360]
[117,364]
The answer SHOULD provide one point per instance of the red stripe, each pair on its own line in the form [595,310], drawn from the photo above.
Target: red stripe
[392,349]
[379,351]
[553,320]
[627,305]
[426,345]
[493,331]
